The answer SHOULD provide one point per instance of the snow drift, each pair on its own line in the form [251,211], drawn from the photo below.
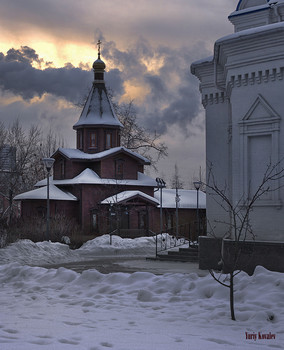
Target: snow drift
[61,309]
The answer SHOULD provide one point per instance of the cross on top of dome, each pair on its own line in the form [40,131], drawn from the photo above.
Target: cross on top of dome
[99,65]
[99,48]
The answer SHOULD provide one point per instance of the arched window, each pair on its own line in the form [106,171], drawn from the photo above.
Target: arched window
[62,168]
[93,139]
[119,168]
[80,139]
[108,140]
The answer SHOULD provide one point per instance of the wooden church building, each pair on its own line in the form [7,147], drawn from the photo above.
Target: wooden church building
[101,185]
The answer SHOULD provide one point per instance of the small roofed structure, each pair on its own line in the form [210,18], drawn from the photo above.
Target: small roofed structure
[187,199]
[184,206]
[132,212]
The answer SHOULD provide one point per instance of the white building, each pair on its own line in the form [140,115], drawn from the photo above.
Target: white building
[243,94]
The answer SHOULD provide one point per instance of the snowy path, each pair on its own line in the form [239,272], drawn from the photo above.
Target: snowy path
[63,309]
[130,265]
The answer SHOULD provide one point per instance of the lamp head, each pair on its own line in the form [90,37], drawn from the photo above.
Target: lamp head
[48,163]
[197,185]
[160,182]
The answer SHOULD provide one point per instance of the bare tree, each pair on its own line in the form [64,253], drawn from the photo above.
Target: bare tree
[176,181]
[239,228]
[201,177]
[137,138]
[22,151]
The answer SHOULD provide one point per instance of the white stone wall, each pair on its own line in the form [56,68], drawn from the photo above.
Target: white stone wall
[243,95]
[257,142]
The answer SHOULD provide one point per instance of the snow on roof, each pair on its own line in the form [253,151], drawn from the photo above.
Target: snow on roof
[246,4]
[255,30]
[203,60]
[249,10]
[188,199]
[41,193]
[98,109]
[127,195]
[73,153]
[88,176]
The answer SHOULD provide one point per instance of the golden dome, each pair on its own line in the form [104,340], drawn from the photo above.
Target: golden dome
[99,64]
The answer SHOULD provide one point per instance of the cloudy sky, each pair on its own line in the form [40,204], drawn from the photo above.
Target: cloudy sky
[47,48]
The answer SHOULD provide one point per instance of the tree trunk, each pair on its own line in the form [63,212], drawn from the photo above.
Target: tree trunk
[232,308]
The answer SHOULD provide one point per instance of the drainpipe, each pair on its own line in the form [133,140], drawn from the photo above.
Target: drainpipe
[274,6]
[216,57]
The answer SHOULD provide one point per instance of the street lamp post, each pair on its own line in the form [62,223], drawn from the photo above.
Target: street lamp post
[160,184]
[48,163]
[177,205]
[197,185]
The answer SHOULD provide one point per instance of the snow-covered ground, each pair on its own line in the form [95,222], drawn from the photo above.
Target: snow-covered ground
[61,309]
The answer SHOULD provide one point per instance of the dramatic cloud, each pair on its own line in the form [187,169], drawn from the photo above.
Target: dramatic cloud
[172,99]
[49,112]
[18,75]
[47,48]
[167,22]
[173,96]
[25,55]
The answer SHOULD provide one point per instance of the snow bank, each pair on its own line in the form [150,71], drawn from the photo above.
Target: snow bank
[62,309]
[30,253]
[44,253]
[100,246]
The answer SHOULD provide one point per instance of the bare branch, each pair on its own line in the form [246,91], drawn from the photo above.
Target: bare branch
[218,280]
[239,224]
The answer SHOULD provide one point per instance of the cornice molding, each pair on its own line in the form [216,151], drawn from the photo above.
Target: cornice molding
[213,98]
[241,80]
[257,77]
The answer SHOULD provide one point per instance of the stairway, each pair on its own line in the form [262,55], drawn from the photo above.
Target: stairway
[183,254]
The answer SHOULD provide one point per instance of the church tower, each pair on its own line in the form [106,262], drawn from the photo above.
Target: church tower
[98,128]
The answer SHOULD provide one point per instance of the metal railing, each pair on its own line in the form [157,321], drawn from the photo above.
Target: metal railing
[114,232]
[165,241]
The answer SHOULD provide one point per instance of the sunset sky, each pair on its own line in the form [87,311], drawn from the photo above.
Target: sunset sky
[47,48]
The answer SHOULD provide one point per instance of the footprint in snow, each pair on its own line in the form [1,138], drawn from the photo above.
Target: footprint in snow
[106,344]
[10,331]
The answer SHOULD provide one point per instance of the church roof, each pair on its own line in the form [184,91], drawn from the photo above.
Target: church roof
[98,109]
[90,177]
[244,4]
[266,29]
[128,195]
[73,153]
[269,29]
[41,193]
